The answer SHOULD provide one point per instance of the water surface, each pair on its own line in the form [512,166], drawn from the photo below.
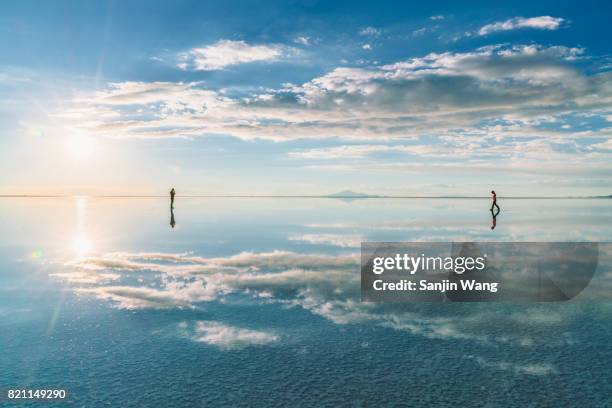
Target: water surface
[256,301]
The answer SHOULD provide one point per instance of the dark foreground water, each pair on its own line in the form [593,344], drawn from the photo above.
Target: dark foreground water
[251,302]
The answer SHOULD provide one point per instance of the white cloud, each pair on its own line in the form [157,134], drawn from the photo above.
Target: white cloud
[226,53]
[317,283]
[438,93]
[488,102]
[303,40]
[128,297]
[185,264]
[85,277]
[605,145]
[438,17]
[273,259]
[366,46]
[344,241]
[188,280]
[537,369]
[227,337]
[369,32]
[360,151]
[539,23]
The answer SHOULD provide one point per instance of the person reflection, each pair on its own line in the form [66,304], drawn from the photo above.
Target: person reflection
[172,220]
[494,218]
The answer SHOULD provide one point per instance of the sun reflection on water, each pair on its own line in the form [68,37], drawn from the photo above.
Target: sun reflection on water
[82,243]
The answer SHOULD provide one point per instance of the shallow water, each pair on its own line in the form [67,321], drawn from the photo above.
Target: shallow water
[256,301]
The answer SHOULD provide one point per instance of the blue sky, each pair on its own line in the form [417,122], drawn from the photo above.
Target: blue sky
[305,97]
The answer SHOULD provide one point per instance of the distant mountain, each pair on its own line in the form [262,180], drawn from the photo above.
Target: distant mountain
[349,194]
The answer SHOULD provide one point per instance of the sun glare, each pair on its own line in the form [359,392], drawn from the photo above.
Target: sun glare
[81,245]
[81,146]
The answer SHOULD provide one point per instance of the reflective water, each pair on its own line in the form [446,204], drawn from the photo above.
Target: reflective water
[256,301]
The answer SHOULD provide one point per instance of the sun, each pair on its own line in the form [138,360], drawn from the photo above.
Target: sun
[81,146]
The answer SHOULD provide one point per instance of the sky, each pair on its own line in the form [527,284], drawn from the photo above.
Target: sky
[306,97]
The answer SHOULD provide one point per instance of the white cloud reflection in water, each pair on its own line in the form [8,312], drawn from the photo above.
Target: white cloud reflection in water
[255,254]
[293,269]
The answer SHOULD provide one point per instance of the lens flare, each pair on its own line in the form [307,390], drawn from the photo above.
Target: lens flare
[37,132]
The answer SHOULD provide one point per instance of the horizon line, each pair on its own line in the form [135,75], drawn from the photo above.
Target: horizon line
[363,196]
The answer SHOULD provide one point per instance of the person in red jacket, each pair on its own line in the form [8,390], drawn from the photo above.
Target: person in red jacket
[494,201]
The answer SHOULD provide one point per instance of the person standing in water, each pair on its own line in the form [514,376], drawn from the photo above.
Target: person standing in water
[494,197]
[172,194]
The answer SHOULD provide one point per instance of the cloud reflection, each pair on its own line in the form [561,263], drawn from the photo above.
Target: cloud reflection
[324,285]
[226,337]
